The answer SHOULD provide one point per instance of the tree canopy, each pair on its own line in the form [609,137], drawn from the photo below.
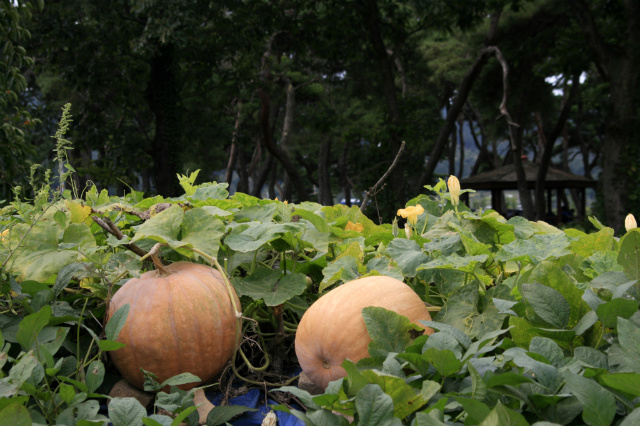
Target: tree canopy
[306,99]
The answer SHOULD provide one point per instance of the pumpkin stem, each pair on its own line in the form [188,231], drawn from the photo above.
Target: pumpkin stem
[162,270]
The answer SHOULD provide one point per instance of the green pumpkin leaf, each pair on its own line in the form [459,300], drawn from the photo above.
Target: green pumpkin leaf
[201,230]
[535,249]
[389,331]
[164,227]
[38,257]
[344,269]
[258,234]
[270,286]
[317,221]
[407,255]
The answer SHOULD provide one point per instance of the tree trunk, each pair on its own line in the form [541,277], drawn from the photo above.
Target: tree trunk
[548,139]
[620,66]
[452,115]
[384,64]
[344,175]
[462,148]
[233,150]
[452,150]
[462,94]
[277,151]
[324,183]
[162,97]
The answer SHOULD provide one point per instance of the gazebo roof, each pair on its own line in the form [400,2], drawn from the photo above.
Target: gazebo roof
[505,178]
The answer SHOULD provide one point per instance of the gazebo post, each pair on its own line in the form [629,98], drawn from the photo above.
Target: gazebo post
[495,200]
[549,196]
[582,208]
[558,201]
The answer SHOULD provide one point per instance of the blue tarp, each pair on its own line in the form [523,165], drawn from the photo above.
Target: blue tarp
[255,398]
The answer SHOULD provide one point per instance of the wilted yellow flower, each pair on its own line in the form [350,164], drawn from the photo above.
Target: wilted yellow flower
[630,222]
[358,227]
[411,213]
[270,419]
[454,189]
[408,230]
[4,234]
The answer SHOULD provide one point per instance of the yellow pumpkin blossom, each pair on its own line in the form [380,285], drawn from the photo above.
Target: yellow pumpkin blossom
[454,189]
[630,222]
[358,227]
[4,234]
[411,213]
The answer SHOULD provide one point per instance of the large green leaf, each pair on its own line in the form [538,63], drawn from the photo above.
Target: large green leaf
[504,416]
[126,411]
[164,227]
[406,399]
[222,414]
[609,312]
[270,286]
[629,256]
[629,338]
[548,304]
[598,403]
[455,262]
[625,382]
[343,269]
[586,245]
[407,254]
[552,275]
[389,331]
[39,257]
[258,234]
[31,326]
[201,230]
[535,249]
[15,415]
[375,408]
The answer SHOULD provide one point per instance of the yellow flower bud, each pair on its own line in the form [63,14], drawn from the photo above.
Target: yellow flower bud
[358,227]
[411,213]
[454,189]
[630,222]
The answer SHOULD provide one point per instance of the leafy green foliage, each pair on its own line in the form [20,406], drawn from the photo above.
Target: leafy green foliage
[533,324]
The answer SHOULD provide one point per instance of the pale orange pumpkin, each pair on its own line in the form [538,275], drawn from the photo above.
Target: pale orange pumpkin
[333,328]
[180,320]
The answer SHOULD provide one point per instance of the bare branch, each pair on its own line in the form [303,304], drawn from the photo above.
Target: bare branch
[112,229]
[373,189]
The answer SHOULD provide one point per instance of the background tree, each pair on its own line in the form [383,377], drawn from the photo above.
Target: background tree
[16,154]
[248,93]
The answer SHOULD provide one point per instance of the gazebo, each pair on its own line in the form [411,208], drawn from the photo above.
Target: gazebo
[504,178]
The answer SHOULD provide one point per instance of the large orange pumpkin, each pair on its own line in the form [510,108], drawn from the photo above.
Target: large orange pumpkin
[333,329]
[180,321]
